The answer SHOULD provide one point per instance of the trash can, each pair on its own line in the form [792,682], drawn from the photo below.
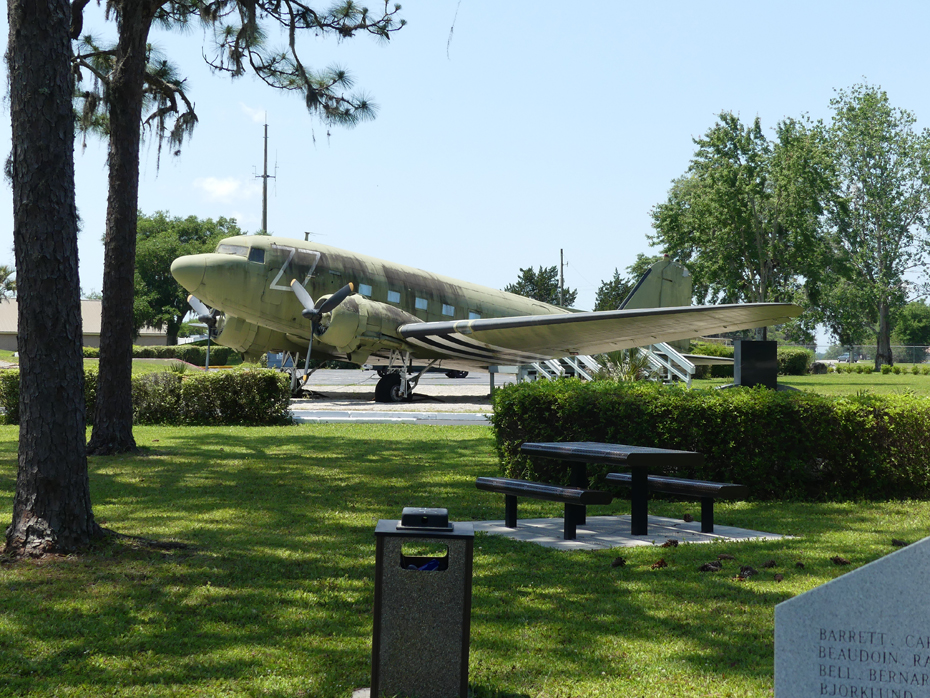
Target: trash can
[423,569]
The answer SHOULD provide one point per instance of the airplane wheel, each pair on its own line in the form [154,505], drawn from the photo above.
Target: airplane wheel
[383,371]
[388,389]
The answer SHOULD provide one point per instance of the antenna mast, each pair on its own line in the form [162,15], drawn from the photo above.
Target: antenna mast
[265,177]
[561,275]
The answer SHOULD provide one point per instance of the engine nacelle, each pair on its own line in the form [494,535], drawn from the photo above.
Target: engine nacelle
[254,340]
[358,321]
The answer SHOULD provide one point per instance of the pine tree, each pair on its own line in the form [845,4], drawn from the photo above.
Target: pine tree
[126,81]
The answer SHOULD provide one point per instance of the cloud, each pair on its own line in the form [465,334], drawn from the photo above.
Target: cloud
[256,115]
[246,220]
[227,189]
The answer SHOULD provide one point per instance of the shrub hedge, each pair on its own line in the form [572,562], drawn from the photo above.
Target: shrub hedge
[709,349]
[235,397]
[191,353]
[792,361]
[779,444]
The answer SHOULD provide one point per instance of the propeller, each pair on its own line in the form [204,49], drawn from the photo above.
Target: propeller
[314,314]
[310,311]
[207,317]
[204,314]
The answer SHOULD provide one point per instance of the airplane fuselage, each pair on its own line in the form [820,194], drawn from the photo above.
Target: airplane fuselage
[249,277]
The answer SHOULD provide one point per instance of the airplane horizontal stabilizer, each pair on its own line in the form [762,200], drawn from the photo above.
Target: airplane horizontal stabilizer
[530,338]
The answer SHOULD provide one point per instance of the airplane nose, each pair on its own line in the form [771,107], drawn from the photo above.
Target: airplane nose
[188,271]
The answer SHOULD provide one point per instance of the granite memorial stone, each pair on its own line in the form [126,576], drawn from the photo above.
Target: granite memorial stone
[863,635]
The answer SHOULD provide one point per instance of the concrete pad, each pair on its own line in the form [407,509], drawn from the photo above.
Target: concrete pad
[603,532]
[308,416]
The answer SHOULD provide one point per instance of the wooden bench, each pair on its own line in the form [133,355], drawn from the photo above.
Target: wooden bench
[704,490]
[575,499]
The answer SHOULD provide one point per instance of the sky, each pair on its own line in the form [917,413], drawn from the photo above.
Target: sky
[506,132]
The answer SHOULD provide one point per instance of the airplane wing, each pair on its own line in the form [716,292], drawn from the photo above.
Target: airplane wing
[529,338]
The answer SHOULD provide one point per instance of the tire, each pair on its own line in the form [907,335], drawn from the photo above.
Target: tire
[388,389]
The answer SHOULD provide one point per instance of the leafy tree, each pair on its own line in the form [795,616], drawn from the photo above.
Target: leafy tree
[611,293]
[845,311]
[7,282]
[745,218]
[51,508]
[912,325]
[128,77]
[879,209]
[542,285]
[160,301]
[639,267]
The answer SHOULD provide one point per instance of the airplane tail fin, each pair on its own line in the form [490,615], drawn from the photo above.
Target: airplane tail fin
[666,284]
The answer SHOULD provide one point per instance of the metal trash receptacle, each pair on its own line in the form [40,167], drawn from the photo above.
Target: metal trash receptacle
[422,608]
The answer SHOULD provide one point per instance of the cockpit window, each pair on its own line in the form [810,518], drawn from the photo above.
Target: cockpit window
[226,248]
[257,254]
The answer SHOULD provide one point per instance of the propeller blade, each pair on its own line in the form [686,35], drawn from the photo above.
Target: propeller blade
[305,300]
[198,305]
[335,299]
[204,314]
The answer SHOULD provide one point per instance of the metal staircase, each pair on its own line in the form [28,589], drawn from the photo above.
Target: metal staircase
[584,367]
[669,364]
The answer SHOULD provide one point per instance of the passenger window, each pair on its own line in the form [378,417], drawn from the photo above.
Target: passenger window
[448,310]
[472,315]
[393,297]
[257,254]
[422,304]
[364,290]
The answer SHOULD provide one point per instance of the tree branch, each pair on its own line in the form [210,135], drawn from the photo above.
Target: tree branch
[77,17]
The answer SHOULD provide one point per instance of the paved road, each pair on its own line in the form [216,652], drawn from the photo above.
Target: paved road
[326,377]
[344,395]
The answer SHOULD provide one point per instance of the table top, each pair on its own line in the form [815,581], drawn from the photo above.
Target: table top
[615,454]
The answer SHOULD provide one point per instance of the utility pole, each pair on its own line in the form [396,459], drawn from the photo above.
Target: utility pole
[561,275]
[265,177]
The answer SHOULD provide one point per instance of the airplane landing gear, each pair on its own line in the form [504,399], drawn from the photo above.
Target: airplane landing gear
[388,389]
[397,384]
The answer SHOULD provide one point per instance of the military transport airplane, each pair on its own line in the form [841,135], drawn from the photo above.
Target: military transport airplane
[261,289]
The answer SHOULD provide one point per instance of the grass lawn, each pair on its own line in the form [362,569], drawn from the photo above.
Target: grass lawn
[139,366]
[142,366]
[273,595]
[845,383]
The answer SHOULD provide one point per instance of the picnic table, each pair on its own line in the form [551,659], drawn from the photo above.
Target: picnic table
[640,460]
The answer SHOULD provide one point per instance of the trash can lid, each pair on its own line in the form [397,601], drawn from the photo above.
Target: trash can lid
[433,519]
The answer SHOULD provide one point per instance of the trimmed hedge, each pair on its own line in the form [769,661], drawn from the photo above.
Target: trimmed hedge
[236,397]
[792,361]
[779,444]
[710,349]
[9,394]
[191,353]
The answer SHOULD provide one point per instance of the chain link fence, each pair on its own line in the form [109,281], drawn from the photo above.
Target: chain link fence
[901,354]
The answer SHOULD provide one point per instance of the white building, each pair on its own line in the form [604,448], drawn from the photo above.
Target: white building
[90,318]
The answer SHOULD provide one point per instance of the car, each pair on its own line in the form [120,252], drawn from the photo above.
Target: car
[844,357]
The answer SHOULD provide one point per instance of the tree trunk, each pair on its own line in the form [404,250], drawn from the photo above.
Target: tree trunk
[883,354]
[113,415]
[171,331]
[51,509]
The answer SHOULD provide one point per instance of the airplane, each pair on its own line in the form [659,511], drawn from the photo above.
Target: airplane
[256,293]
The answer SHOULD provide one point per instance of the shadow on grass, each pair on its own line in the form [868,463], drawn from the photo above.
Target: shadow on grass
[274,595]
